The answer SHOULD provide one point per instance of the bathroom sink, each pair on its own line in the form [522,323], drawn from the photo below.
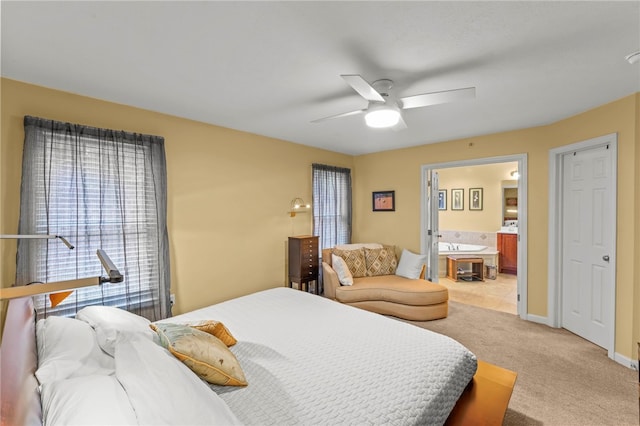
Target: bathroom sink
[509,229]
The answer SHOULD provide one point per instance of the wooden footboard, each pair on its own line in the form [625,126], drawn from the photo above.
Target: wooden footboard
[486,399]
[18,361]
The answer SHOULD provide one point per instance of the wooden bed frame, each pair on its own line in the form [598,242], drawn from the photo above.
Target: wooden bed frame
[484,402]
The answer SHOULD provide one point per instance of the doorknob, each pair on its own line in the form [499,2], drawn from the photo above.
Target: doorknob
[605,257]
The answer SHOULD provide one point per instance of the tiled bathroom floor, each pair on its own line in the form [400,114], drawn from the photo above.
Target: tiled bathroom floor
[500,294]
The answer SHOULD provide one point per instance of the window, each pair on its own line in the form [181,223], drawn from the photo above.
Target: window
[100,189]
[331,205]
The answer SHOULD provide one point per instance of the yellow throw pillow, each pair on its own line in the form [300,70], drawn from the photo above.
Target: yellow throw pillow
[381,261]
[203,353]
[354,260]
[215,328]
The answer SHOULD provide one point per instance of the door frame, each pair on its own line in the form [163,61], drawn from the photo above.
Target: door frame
[555,261]
[521,159]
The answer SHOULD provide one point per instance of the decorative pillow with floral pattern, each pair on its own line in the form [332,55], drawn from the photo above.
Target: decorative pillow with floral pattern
[202,352]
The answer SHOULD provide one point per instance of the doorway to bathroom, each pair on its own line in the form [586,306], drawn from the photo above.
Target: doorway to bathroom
[476,209]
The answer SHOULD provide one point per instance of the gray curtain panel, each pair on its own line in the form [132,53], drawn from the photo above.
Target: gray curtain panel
[331,205]
[100,189]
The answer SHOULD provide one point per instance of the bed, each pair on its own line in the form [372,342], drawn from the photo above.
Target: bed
[306,359]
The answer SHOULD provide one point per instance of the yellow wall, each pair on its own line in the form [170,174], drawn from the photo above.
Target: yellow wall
[228,192]
[401,170]
[489,177]
[621,117]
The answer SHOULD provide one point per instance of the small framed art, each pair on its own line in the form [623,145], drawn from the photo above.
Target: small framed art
[384,201]
[457,199]
[442,199]
[475,198]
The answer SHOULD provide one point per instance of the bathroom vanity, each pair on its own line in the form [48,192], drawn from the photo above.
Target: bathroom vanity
[507,245]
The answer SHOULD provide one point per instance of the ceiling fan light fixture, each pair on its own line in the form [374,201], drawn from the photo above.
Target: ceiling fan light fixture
[382,117]
[633,57]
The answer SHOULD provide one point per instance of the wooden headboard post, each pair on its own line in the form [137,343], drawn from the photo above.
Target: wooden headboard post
[20,397]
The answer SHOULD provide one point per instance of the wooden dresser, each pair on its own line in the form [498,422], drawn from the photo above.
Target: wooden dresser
[303,261]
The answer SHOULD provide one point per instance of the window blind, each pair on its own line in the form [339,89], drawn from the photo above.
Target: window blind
[331,205]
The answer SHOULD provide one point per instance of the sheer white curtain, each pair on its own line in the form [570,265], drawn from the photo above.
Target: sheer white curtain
[100,189]
[331,205]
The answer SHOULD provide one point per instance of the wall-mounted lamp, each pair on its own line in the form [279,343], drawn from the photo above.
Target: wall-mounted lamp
[61,286]
[298,206]
[515,174]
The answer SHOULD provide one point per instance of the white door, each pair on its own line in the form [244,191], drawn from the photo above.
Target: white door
[588,277]
[432,234]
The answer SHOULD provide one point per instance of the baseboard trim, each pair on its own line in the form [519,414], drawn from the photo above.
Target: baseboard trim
[627,362]
[537,318]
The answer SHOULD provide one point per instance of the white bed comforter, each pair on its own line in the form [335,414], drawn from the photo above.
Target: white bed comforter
[312,361]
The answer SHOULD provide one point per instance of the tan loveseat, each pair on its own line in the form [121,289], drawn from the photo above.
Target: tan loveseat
[389,294]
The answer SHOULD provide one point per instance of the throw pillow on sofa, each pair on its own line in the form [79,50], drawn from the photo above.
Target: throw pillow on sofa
[354,260]
[342,270]
[381,261]
[411,264]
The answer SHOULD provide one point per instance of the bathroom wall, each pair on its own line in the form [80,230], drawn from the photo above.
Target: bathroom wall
[489,177]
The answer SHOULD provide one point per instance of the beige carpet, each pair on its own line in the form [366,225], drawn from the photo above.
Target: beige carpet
[562,378]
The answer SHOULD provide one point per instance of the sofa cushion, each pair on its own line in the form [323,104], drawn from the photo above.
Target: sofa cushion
[380,261]
[355,261]
[408,312]
[355,246]
[342,270]
[393,288]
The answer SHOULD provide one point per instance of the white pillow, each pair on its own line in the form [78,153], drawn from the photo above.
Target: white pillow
[69,348]
[162,390]
[410,265]
[88,400]
[109,322]
[340,266]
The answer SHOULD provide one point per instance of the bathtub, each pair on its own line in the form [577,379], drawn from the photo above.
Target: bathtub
[446,248]
[488,254]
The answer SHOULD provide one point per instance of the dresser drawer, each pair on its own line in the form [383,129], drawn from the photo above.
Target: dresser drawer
[307,270]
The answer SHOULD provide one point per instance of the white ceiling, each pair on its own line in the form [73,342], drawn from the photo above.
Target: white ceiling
[271,67]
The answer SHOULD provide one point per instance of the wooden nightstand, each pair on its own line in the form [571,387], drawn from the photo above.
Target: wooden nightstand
[303,261]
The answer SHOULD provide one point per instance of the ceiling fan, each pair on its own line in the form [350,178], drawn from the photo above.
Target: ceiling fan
[384,108]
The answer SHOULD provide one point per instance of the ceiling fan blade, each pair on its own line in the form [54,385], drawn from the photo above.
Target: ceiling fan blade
[435,98]
[344,114]
[400,126]
[361,86]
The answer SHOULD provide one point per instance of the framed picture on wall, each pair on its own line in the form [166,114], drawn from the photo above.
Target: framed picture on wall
[384,201]
[442,199]
[457,199]
[475,198]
